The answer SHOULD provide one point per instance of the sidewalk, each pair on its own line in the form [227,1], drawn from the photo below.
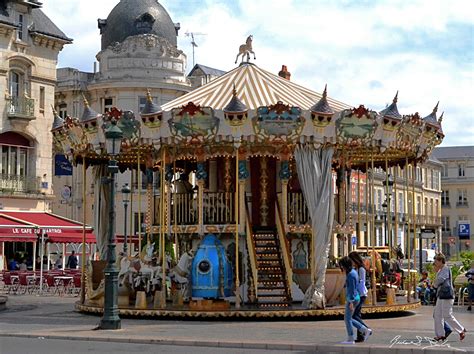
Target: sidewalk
[54,318]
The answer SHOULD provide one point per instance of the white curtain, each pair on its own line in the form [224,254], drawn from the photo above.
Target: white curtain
[101,206]
[315,176]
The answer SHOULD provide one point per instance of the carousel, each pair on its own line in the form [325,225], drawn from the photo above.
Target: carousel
[247,198]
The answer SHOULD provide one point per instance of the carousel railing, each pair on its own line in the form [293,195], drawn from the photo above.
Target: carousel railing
[186,209]
[218,208]
[285,247]
[297,211]
[251,250]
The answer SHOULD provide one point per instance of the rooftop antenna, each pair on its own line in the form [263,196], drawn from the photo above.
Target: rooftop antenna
[193,42]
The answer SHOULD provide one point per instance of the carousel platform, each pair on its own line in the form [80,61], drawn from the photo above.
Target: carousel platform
[246,312]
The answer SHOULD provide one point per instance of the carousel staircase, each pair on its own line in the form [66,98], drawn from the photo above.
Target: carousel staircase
[272,285]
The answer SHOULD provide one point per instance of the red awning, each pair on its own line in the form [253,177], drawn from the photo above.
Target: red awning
[16,231]
[57,228]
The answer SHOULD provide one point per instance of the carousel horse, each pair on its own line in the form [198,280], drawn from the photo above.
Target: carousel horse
[139,275]
[246,49]
[386,271]
[180,273]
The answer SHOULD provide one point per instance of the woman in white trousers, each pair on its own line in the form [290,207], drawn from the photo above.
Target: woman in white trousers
[443,311]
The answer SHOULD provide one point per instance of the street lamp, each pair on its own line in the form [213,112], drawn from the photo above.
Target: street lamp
[111,319]
[126,199]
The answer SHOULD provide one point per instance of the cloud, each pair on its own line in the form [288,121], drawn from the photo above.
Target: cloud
[364,51]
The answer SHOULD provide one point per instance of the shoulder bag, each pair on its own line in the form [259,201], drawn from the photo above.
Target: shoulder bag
[446,292]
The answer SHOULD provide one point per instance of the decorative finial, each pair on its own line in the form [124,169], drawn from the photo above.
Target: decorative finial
[148,95]
[234,91]
[436,108]
[395,99]
[325,92]
[441,118]
[86,103]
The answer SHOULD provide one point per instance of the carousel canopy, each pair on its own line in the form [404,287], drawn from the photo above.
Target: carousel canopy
[256,88]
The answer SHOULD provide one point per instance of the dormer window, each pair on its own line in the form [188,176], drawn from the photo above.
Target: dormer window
[144,23]
[21,27]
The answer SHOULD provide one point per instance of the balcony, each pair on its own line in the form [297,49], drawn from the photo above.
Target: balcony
[15,184]
[20,108]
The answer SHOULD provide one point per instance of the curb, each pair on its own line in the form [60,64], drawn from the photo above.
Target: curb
[284,346]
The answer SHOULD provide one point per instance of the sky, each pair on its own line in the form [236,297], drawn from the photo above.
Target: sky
[364,50]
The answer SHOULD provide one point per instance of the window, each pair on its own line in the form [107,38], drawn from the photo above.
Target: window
[461,172]
[14,160]
[137,222]
[21,27]
[462,197]
[435,180]
[444,170]
[41,99]
[418,174]
[16,81]
[63,110]
[445,198]
[445,222]
[108,104]
[401,206]
[418,205]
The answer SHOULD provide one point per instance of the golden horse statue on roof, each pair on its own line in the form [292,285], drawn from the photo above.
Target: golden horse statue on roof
[246,49]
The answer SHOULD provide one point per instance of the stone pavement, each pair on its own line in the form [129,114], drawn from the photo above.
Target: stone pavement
[55,318]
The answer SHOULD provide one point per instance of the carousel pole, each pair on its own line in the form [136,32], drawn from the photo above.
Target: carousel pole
[162,229]
[139,188]
[395,206]
[408,230]
[358,207]
[237,280]
[83,254]
[175,221]
[413,175]
[132,190]
[389,207]
[366,197]
[372,202]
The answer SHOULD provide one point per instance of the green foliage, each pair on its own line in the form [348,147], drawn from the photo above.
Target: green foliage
[455,271]
[467,257]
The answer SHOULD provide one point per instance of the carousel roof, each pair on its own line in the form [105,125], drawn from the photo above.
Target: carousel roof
[392,110]
[256,87]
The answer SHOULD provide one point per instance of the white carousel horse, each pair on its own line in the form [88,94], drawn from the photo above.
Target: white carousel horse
[180,273]
[246,49]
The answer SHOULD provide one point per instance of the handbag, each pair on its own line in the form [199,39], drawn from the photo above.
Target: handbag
[446,292]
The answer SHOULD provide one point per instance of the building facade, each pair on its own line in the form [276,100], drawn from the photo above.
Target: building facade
[457,200]
[29,46]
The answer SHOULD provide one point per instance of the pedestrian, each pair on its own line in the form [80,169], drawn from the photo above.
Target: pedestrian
[59,262]
[352,300]
[470,286]
[423,288]
[443,311]
[13,265]
[358,263]
[23,265]
[72,261]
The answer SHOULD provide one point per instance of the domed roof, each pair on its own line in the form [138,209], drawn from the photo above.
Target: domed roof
[133,17]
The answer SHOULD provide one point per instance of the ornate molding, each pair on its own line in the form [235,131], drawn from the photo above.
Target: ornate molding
[149,42]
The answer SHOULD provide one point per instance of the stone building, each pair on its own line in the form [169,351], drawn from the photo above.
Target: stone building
[29,46]
[457,200]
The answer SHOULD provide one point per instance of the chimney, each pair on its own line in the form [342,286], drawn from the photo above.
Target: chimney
[284,73]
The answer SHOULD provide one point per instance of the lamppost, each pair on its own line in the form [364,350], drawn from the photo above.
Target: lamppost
[126,199]
[111,319]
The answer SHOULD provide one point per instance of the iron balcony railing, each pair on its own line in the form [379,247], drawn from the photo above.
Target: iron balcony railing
[10,184]
[21,107]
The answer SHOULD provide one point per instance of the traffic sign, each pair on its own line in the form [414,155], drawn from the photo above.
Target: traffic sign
[464,229]
[452,240]
[354,240]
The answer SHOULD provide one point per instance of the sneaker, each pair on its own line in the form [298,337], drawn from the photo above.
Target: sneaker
[367,334]
[348,341]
